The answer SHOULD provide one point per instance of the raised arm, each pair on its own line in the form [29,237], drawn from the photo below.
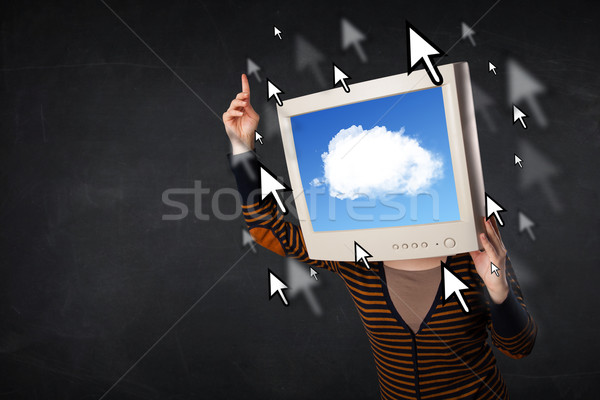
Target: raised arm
[512,327]
[263,218]
[241,120]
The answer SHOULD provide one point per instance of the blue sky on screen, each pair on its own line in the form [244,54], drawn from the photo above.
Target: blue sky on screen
[360,170]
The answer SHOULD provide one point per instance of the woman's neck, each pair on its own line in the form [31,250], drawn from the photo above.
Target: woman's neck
[420,264]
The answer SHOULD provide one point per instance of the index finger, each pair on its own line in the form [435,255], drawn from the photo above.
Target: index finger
[245,84]
[495,226]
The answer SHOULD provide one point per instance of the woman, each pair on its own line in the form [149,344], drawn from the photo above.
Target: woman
[424,348]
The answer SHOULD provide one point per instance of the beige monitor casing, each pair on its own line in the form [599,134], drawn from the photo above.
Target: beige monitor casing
[402,242]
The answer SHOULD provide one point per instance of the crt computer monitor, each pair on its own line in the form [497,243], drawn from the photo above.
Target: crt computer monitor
[393,165]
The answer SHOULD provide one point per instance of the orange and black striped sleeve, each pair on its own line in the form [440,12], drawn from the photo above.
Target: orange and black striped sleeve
[512,328]
[264,220]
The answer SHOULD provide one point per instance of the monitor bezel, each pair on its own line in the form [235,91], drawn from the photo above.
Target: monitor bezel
[388,243]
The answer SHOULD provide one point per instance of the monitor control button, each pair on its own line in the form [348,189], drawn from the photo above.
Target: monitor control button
[424,244]
[405,246]
[395,247]
[449,242]
[414,245]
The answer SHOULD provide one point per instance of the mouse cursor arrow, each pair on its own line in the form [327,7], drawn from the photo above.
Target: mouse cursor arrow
[491,67]
[539,172]
[518,161]
[269,184]
[273,91]
[253,69]
[518,115]
[495,269]
[258,137]
[467,32]
[340,76]
[453,284]
[309,57]
[492,207]
[351,36]
[361,254]
[421,49]
[313,273]
[301,283]
[276,285]
[276,32]
[483,103]
[525,224]
[525,88]
[268,115]
[247,239]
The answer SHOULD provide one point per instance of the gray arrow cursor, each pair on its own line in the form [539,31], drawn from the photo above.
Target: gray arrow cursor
[523,87]
[467,32]
[307,56]
[525,224]
[252,68]
[351,36]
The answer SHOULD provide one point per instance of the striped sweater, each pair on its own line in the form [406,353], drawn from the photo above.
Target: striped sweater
[449,356]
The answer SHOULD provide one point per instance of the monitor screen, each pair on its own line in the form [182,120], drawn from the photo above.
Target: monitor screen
[378,163]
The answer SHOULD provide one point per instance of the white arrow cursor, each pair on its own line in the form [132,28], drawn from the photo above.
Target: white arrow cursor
[270,184]
[361,254]
[492,207]
[276,285]
[340,76]
[276,32]
[518,115]
[258,137]
[525,224]
[467,32]
[491,67]
[351,36]
[273,91]
[253,69]
[495,269]
[313,273]
[453,284]
[421,49]
[518,161]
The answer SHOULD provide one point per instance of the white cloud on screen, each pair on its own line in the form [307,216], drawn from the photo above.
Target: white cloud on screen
[317,182]
[382,162]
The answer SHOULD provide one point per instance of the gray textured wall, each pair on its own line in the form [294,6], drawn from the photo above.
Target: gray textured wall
[95,128]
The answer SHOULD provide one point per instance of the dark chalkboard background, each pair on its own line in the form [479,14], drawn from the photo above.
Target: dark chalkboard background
[95,128]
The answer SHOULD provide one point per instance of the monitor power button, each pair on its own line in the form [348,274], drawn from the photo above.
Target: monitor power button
[449,242]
